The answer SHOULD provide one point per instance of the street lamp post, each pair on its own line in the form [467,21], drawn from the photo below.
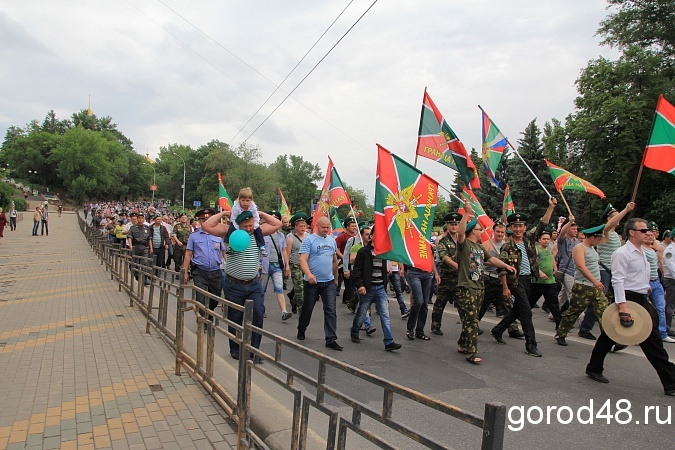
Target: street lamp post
[154,179]
[31,174]
[183,178]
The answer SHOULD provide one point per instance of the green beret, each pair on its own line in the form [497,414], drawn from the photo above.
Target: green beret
[607,212]
[275,213]
[516,218]
[154,216]
[349,220]
[244,215]
[205,213]
[452,217]
[498,223]
[652,225]
[298,217]
[594,231]
[471,225]
[666,234]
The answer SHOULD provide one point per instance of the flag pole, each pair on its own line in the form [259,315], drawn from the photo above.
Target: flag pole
[354,216]
[450,192]
[528,168]
[565,200]
[642,163]
[420,129]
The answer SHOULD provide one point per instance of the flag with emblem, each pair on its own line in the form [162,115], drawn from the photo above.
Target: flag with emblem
[483,219]
[405,203]
[437,141]
[494,144]
[508,207]
[660,151]
[283,208]
[333,195]
[224,199]
[566,180]
[335,222]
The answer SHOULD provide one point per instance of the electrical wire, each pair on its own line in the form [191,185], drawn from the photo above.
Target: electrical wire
[312,70]
[289,73]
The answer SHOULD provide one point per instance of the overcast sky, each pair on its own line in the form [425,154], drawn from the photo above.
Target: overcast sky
[190,72]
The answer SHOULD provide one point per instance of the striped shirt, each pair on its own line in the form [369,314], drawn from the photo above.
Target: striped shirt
[605,250]
[653,264]
[244,265]
[377,279]
[525,262]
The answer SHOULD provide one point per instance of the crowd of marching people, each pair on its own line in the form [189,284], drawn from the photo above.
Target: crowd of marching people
[577,271]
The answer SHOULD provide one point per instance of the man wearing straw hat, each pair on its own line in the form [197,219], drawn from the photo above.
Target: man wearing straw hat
[630,279]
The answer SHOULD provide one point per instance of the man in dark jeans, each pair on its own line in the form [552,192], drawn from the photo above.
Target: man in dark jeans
[318,261]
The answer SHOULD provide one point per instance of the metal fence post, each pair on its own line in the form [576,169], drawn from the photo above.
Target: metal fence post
[244,382]
[180,296]
[493,426]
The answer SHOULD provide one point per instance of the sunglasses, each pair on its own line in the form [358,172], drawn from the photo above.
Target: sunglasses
[642,230]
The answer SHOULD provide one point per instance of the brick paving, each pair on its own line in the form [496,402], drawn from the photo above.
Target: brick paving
[77,369]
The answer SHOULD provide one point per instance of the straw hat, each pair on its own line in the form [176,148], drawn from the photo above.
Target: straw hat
[621,334]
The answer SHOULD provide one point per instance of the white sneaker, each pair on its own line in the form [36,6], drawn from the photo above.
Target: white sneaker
[550,317]
[668,339]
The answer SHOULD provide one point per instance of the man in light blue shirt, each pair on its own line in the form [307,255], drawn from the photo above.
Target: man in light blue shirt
[318,261]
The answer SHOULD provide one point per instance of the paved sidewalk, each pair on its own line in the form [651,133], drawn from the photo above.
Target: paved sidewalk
[77,369]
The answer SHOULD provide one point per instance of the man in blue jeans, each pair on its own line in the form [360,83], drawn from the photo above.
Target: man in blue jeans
[319,264]
[369,277]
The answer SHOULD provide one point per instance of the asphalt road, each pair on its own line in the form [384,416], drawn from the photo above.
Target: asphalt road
[527,385]
[507,375]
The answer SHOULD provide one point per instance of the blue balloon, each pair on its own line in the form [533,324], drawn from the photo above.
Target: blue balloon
[240,240]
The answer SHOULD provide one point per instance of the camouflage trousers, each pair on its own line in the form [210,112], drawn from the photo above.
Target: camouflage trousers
[583,297]
[445,294]
[299,294]
[493,295]
[178,257]
[468,304]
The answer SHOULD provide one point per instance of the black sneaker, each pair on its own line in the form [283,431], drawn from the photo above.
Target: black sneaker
[405,315]
[392,346]
[356,339]
[587,335]
[561,341]
[334,346]
[301,335]
[498,337]
[516,334]
[532,350]
[437,331]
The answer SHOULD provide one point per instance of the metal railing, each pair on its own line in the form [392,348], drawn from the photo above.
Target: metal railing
[152,289]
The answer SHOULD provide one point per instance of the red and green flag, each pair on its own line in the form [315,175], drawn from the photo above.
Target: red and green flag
[224,199]
[335,222]
[508,207]
[483,219]
[566,180]
[283,208]
[333,194]
[437,141]
[660,151]
[494,144]
[405,203]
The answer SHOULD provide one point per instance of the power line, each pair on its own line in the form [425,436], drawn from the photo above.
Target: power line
[292,70]
[312,70]
[278,87]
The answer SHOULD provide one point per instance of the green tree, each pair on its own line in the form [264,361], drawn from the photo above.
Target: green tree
[297,179]
[646,23]
[608,131]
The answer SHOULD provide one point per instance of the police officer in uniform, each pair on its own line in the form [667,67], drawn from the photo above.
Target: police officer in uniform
[446,248]
[140,241]
[204,255]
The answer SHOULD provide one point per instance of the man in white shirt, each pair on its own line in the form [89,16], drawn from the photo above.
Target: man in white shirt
[669,281]
[630,279]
